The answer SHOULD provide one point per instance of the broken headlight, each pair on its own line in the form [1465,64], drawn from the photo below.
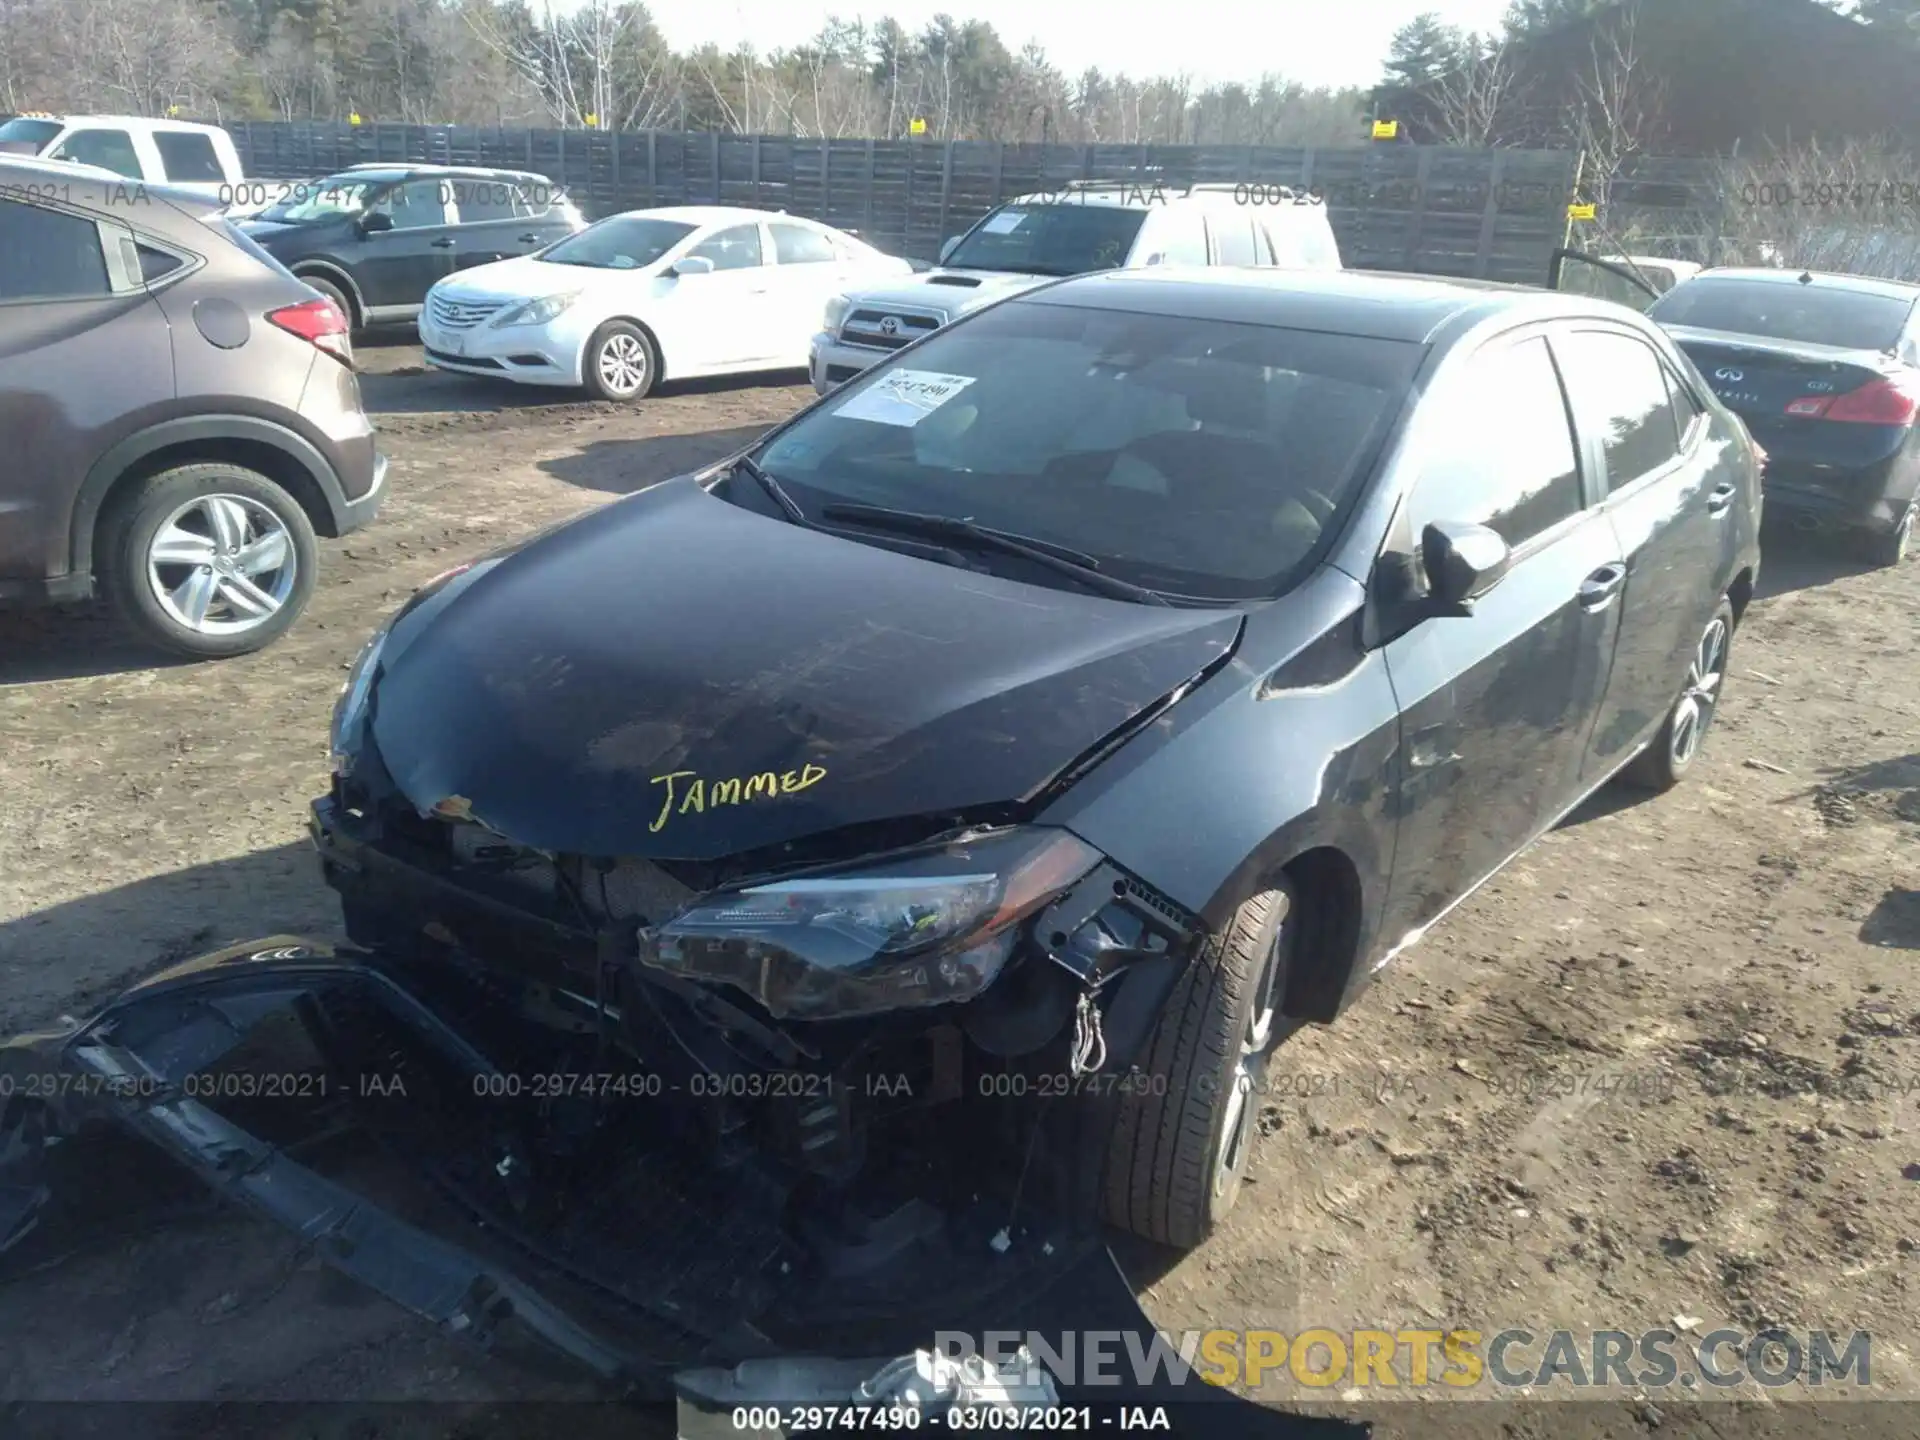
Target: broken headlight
[927,927]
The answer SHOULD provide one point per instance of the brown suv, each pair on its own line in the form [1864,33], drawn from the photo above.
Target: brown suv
[179,413]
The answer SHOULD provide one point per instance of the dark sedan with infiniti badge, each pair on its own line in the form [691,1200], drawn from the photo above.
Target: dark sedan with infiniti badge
[1063,709]
[1825,371]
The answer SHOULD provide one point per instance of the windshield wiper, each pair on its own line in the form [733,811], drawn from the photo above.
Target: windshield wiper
[1061,559]
[775,491]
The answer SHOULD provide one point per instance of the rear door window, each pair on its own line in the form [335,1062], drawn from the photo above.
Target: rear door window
[797,245]
[49,255]
[109,149]
[479,201]
[187,155]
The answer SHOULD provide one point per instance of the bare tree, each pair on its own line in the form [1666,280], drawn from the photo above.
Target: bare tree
[1618,110]
[1845,207]
[570,59]
[1469,98]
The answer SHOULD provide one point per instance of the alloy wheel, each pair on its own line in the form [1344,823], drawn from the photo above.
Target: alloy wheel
[221,565]
[1694,712]
[1249,1067]
[623,364]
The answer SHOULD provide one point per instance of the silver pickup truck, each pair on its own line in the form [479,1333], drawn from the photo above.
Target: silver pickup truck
[1094,225]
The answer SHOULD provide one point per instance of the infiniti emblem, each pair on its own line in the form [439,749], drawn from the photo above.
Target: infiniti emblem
[1734,376]
[890,325]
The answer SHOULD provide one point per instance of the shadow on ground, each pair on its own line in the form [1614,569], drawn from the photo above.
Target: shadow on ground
[77,954]
[1794,560]
[70,641]
[622,467]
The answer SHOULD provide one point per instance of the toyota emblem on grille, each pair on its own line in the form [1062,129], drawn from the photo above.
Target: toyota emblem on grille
[1733,376]
[890,325]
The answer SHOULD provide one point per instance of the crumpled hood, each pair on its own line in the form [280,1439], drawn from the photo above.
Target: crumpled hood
[935,289]
[675,677]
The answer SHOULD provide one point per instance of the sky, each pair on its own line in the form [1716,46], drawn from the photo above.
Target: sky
[1317,42]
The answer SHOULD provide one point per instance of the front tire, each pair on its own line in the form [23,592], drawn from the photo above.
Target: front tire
[208,561]
[620,362]
[1179,1151]
[1666,762]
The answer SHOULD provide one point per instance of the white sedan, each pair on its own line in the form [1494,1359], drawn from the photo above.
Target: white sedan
[648,295]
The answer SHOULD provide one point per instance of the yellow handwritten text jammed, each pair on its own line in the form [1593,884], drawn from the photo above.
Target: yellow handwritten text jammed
[688,793]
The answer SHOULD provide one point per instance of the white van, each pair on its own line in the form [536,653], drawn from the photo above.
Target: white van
[194,157]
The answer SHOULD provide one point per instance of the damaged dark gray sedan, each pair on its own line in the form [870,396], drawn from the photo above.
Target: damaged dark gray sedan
[1047,720]
[815,893]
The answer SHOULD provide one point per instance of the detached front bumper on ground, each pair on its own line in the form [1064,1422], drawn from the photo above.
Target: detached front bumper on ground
[359,1102]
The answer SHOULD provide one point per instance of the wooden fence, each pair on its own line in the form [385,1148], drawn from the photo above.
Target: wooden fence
[1489,214]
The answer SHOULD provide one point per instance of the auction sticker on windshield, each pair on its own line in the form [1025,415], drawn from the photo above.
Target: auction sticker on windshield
[1005,223]
[904,397]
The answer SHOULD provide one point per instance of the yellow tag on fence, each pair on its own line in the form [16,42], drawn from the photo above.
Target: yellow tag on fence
[916,126]
[1581,212]
[1386,129]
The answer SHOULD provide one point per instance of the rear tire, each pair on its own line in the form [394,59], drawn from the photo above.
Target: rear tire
[1667,761]
[1179,1152]
[620,362]
[1890,547]
[208,561]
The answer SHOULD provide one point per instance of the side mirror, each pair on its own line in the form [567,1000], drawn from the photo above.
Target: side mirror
[1463,562]
[948,246]
[692,265]
[374,222]
[1158,257]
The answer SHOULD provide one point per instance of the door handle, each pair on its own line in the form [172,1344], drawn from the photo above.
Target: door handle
[445,242]
[528,239]
[1722,498]
[1598,589]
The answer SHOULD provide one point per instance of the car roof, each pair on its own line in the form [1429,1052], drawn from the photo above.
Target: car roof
[1377,304]
[403,169]
[129,122]
[1859,284]
[25,169]
[716,215]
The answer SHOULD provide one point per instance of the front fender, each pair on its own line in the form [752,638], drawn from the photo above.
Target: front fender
[1288,750]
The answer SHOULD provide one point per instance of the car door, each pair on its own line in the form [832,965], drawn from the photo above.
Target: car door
[107,147]
[84,352]
[720,320]
[494,222]
[808,271]
[1670,500]
[1496,705]
[396,267]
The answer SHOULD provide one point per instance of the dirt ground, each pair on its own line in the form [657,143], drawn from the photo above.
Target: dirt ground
[1663,1068]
